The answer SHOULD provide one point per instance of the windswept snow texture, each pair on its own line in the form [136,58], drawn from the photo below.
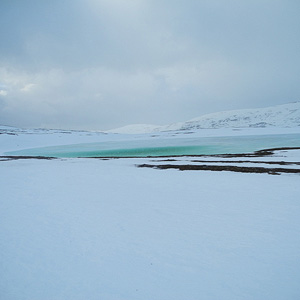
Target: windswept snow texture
[286,115]
[93,229]
[104,229]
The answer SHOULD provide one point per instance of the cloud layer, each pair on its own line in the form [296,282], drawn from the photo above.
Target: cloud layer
[99,64]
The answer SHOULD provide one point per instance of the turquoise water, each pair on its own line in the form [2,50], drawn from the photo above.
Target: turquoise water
[168,146]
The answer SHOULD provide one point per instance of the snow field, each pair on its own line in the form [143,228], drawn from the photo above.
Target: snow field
[104,229]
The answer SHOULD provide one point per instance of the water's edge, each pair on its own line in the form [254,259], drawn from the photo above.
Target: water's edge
[166,147]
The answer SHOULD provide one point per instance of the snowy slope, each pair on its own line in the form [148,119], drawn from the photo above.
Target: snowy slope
[104,229]
[286,115]
[136,129]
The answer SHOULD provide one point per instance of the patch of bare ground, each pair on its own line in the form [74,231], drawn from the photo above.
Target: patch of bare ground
[6,158]
[272,171]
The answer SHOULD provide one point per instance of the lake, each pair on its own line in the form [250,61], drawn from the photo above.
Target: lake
[163,146]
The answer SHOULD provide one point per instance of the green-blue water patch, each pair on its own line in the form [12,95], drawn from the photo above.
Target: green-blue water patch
[167,146]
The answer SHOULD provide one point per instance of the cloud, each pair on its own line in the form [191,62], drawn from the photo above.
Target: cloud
[99,64]
[28,87]
[93,96]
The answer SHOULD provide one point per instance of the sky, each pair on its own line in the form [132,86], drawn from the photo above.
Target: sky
[102,64]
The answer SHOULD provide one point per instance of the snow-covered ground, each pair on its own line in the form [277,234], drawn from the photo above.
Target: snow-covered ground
[285,115]
[13,139]
[105,229]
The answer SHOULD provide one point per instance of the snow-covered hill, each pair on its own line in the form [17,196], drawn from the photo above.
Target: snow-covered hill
[286,115]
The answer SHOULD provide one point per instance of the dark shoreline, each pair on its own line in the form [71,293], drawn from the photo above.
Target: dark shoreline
[17,157]
[261,170]
[203,163]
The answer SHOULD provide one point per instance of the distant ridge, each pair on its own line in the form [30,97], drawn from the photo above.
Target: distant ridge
[285,115]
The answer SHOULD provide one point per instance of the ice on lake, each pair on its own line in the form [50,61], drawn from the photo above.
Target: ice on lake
[163,146]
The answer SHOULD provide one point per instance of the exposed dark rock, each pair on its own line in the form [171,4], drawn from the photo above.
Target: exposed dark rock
[272,171]
[4,158]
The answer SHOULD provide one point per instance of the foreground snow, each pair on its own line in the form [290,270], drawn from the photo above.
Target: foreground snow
[105,229]
[94,229]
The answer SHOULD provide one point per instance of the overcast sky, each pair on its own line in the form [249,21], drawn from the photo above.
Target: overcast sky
[101,64]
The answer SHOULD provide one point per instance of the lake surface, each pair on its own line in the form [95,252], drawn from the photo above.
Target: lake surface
[168,146]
